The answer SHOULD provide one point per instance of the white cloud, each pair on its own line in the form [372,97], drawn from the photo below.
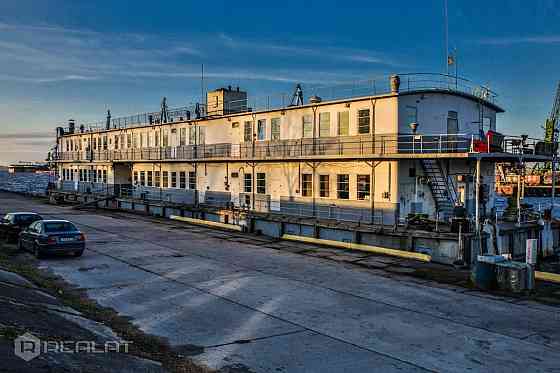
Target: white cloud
[325,52]
[505,41]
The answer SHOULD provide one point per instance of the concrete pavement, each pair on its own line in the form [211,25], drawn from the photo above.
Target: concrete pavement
[233,301]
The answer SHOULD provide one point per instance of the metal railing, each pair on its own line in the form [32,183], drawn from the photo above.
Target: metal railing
[329,146]
[352,146]
[409,82]
[179,114]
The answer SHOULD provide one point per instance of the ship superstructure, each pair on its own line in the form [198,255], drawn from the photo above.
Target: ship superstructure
[377,158]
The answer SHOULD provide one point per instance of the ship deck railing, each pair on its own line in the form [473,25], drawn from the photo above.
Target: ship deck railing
[351,147]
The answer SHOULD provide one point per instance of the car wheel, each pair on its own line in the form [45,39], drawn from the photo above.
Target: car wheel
[78,253]
[37,252]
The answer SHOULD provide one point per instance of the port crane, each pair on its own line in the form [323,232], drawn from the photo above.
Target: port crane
[541,174]
[551,129]
[551,125]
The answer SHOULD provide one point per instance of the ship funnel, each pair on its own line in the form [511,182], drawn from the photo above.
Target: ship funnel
[395,83]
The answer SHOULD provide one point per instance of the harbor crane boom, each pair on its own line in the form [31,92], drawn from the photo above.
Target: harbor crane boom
[551,126]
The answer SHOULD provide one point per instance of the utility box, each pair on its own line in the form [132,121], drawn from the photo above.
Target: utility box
[224,101]
[514,276]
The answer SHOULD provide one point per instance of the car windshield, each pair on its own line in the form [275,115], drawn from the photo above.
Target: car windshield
[59,226]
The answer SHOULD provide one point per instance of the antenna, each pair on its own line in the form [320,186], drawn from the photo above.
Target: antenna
[202,84]
[446,25]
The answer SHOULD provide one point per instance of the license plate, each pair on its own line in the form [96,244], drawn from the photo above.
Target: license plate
[66,239]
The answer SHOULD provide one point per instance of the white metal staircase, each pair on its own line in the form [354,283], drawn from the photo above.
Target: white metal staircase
[442,187]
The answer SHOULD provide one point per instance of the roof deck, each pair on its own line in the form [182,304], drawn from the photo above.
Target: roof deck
[372,88]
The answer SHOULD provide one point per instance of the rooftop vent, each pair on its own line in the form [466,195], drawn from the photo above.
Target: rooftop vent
[71,126]
[315,99]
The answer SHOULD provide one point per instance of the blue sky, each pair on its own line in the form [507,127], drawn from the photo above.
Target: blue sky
[63,59]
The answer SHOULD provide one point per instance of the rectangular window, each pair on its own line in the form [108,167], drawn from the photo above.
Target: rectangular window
[201,135]
[261,183]
[182,180]
[142,178]
[174,180]
[261,129]
[306,185]
[248,131]
[105,176]
[363,187]
[248,183]
[363,121]
[129,140]
[452,124]
[135,179]
[324,186]
[165,181]
[117,142]
[135,141]
[324,124]
[192,136]
[165,139]
[104,142]
[157,177]
[344,123]
[99,176]
[192,180]
[307,121]
[411,115]
[343,186]
[182,137]
[94,144]
[486,124]
[275,129]
[150,178]
[156,139]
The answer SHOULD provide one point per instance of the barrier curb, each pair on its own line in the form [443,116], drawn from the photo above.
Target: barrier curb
[547,276]
[207,223]
[360,247]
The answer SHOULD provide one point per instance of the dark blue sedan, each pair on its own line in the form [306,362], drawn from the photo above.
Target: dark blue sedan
[52,237]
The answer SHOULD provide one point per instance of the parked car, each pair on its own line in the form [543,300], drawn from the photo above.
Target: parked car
[52,237]
[13,223]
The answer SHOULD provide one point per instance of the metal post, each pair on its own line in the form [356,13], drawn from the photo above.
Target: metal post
[314,167]
[253,186]
[477,198]
[372,192]
[553,165]
[519,197]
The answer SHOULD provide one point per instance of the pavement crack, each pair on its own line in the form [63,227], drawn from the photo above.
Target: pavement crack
[251,340]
